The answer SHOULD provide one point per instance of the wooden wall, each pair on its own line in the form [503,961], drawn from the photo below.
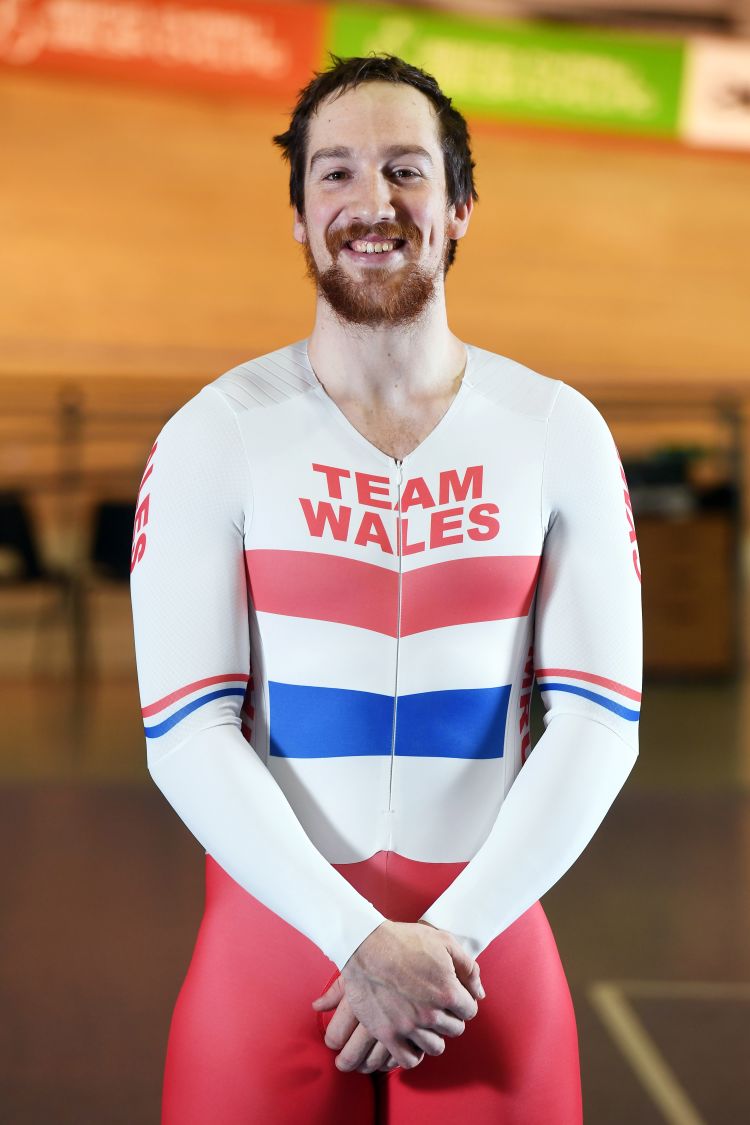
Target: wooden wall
[149,232]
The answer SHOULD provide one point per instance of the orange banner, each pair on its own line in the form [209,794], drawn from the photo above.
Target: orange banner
[233,47]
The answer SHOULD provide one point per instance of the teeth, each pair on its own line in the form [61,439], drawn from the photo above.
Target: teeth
[372,247]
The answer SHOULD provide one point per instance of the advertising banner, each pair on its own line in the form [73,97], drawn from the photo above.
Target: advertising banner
[243,47]
[716,94]
[529,71]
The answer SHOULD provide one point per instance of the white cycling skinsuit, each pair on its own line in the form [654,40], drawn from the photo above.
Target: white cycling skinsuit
[336,653]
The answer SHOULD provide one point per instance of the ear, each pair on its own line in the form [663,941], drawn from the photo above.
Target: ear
[300,229]
[458,217]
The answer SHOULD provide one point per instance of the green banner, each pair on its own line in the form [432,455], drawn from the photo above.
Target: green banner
[528,71]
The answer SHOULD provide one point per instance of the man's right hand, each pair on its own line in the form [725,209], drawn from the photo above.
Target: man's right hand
[406,985]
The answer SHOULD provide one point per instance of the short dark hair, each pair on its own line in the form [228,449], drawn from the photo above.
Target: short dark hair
[346,73]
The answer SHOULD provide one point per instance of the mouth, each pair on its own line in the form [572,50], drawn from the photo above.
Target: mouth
[366,249]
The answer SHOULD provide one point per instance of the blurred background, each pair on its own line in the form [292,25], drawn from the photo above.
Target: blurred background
[146,247]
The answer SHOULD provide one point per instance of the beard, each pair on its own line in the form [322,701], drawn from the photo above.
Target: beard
[384,295]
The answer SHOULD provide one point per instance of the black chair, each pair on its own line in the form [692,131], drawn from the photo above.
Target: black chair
[111,539]
[22,567]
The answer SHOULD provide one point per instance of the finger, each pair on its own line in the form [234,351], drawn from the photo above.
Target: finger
[447,1024]
[466,968]
[356,1049]
[376,1059]
[474,983]
[331,997]
[431,1043]
[407,1054]
[390,1065]
[342,1025]
[463,1004]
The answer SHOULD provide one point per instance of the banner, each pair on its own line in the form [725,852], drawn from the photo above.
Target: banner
[716,95]
[253,48]
[528,71]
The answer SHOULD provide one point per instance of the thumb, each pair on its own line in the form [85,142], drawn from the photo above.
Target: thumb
[467,969]
[330,997]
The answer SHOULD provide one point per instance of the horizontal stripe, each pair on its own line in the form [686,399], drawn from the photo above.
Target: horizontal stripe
[591,679]
[161,728]
[467,723]
[180,693]
[325,587]
[602,700]
[310,722]
[460,591]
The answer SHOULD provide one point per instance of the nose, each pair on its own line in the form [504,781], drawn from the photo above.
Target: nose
[372,198]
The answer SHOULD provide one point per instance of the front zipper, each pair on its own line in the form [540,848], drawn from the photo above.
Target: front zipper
[399,466]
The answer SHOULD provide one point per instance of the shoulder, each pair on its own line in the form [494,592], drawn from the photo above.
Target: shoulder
[266,380]
[510,384]
[518,387]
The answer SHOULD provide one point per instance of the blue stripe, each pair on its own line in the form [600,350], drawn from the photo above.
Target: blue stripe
[602,700]
[321,722]
[464,723]
[161,728]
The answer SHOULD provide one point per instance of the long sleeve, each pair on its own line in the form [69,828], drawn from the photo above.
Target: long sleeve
[193,654]
[588,664]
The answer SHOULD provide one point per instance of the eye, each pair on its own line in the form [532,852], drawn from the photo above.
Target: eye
[405,173]
[335,172]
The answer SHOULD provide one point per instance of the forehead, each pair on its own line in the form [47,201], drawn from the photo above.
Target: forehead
[372,114]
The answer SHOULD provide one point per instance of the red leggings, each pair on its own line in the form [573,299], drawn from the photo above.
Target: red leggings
[246,1047]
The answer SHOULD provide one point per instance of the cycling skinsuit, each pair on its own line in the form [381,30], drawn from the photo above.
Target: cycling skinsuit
[336,652]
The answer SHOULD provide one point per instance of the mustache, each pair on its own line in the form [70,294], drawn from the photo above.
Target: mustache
[405,230]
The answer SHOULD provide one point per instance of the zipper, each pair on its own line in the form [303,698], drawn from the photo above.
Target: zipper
[399,467]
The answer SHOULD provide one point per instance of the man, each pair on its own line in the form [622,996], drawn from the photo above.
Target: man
[351,556]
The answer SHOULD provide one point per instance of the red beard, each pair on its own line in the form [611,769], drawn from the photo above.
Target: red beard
[384,296]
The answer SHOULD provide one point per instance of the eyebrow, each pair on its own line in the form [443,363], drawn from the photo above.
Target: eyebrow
[340,152]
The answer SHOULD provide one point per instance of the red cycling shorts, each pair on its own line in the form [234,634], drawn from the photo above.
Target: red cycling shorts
[245,1046]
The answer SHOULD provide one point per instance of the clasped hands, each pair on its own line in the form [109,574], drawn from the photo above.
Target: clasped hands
[405,987]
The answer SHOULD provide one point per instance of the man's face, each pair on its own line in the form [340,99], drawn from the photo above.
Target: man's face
[377,226]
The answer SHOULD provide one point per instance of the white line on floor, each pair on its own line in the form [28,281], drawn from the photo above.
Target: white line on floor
[684,989]
[642,1053]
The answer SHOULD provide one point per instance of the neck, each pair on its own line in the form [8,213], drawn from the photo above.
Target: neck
[386,366]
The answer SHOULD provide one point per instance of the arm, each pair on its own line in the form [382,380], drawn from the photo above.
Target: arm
[190,618]
[588,660]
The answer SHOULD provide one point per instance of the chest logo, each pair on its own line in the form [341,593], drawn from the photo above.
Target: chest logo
[358,508]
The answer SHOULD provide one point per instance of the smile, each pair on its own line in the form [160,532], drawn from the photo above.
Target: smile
[366,247]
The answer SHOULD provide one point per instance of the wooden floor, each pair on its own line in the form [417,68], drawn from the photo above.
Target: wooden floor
[102,892]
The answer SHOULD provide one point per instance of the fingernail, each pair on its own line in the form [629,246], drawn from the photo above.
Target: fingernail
[482,993]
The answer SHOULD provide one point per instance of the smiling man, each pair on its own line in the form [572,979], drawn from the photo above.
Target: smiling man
[351,558]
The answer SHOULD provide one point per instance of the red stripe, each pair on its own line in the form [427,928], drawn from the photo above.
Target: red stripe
[186,690]
[325,587]
[589,679]
[489,588]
